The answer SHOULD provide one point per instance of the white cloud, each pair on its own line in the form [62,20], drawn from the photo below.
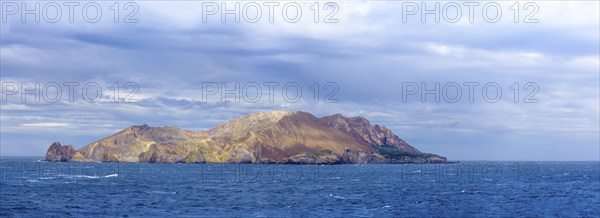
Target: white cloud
[44,124]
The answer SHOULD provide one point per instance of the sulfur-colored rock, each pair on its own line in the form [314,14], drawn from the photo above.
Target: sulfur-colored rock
[264,137]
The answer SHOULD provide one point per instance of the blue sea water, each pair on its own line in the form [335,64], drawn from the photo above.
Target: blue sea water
[33,188]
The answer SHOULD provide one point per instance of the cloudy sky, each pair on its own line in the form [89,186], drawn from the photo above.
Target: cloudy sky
[367,60]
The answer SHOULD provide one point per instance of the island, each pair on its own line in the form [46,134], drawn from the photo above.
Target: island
[272,137]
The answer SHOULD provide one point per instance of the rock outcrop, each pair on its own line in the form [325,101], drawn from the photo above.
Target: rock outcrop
[57,152]
[264,137]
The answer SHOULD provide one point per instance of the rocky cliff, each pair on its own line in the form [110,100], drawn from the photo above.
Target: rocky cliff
[264,137]
[58,152]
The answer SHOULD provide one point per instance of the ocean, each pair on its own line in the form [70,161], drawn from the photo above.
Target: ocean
[33,188]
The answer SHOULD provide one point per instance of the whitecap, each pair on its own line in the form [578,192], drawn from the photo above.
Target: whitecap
[336,197]
[86,176]
[163,192]
[46,178]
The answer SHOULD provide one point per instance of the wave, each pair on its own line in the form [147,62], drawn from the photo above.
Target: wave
[161,192]
[47,178]
[85,176]
[89,177]
[336,196]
